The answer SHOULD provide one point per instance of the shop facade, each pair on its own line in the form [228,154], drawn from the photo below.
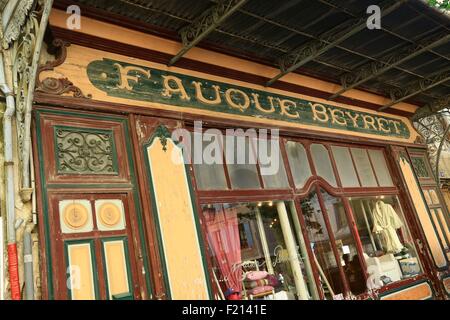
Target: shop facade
[200,181]
[353,210]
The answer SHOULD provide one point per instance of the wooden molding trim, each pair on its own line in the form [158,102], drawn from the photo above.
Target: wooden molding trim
[57,86]
[112,46]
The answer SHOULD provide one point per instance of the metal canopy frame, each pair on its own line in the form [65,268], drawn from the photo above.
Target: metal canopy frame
[205,24]
[369,71]
[399,95]
[330,39]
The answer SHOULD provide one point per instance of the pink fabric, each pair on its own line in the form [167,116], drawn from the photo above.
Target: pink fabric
[256,275]
[223,238]
[260,290]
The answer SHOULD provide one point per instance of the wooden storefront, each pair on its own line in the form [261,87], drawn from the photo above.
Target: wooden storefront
[112,201]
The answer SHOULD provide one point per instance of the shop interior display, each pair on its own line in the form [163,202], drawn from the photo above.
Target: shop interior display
[249,253]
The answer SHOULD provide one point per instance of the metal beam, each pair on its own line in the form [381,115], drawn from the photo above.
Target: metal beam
[399,95]
[205,24]
[432,108]
[369,71]
[328,40]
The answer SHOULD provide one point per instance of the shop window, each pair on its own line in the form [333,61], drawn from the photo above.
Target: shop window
[298,161]
[344,164]
[364,167]
[243,172]
[388,247]
[332,282]
[345,243]
[380,167]
[322,163]
[208,176]
[274,176]
[247,244]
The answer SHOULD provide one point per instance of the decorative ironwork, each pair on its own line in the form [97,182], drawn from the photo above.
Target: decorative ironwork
[86,151]
[22,54]
[26,43]
[58,86]
[399,94]
[205,24]
[13,29]
[328,40]
[420,167]
[435,131]
[432,108]
[375,68]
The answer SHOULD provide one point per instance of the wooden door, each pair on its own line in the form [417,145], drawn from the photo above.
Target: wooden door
[93,243]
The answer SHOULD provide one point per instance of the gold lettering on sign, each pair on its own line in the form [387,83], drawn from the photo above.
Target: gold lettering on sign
[241,106]
[285,105]
[396,124]
[337,116]
[369,121]
[319,115]
[201,98]
[125,76]
[258,105]
[353,118]
[383,125]
[179,89]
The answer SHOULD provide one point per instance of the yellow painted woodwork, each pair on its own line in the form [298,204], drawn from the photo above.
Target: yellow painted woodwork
[438,227]
[421,209]
[178,229]
[447,284]
[116,267]
[418,292]
[80,262]
[444,223]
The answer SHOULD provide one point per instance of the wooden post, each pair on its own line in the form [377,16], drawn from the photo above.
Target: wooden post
[302,292]
[265,246]
[304,252]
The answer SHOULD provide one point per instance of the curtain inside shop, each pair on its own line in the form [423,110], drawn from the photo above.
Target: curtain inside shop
[223,238]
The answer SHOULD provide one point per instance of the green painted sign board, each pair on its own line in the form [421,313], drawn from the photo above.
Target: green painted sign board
[134,82]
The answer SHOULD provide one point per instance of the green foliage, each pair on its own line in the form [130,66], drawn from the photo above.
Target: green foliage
[440,4]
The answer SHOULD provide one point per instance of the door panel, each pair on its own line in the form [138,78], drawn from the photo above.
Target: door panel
[90,208]
[173,206]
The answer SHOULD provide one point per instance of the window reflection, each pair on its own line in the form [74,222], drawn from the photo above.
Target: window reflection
[345,243]
[319,238]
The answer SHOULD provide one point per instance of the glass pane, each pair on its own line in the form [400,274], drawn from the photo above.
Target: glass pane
[322,163]
[364,168]
[381,168]
[320,245]
[271,165]
[243,173]
[388,247]
[208,176]
[345,167]
[345,243]
[250,259]
[298,161]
